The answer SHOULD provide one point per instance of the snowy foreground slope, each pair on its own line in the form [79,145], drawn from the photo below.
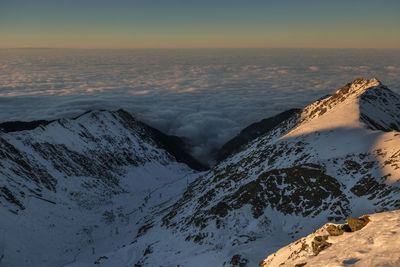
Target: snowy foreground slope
[339,157]
[376,244]
[99,190]
[76,189]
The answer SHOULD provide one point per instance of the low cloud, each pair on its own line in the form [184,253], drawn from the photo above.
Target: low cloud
[283,72]
[393,68]
[141,92]
[354,68]
[188,90]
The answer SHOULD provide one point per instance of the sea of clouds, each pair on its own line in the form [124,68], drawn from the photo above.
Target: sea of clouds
[205,95]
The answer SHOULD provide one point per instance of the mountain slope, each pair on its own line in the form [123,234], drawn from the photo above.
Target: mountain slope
[338,158]
[375,244]
[77,187]
[251,132]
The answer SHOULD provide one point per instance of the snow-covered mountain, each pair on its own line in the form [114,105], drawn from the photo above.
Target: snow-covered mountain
[339,157]
[372,240]
[83,186]
[99,189]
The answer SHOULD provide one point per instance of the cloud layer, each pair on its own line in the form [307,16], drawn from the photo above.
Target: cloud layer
[204,95]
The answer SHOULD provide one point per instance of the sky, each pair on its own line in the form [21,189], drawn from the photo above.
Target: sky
[199,24]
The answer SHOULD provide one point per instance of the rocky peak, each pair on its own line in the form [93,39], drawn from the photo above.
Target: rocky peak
[360,85]
[366,101]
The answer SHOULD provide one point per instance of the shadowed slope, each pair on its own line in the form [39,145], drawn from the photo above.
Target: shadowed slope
[251,132]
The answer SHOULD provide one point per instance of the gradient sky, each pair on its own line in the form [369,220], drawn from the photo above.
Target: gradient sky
[196,24]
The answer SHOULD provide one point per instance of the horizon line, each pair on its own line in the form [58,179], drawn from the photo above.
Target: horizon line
[188,48]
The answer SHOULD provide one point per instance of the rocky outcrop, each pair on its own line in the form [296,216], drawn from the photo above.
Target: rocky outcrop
[338,243]
[357,224]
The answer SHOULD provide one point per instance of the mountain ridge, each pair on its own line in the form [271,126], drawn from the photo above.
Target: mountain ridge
[127,201]
[173,144]
[363,95]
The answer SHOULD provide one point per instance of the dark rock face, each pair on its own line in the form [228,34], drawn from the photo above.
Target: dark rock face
[301,190]
[238,261]
[16,126]
[24,166]
[296,190]
[251,132]
[176,147]
[8,196]
[385,104]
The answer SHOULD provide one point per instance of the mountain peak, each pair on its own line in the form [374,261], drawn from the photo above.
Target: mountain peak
[360,104]
[359,89]
[356,88]
[363,84]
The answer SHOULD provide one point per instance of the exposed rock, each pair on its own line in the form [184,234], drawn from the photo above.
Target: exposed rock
[8,195]
[320,243]
[238,261]
[357,224]
[16,126]
[375,245]
[334,230]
